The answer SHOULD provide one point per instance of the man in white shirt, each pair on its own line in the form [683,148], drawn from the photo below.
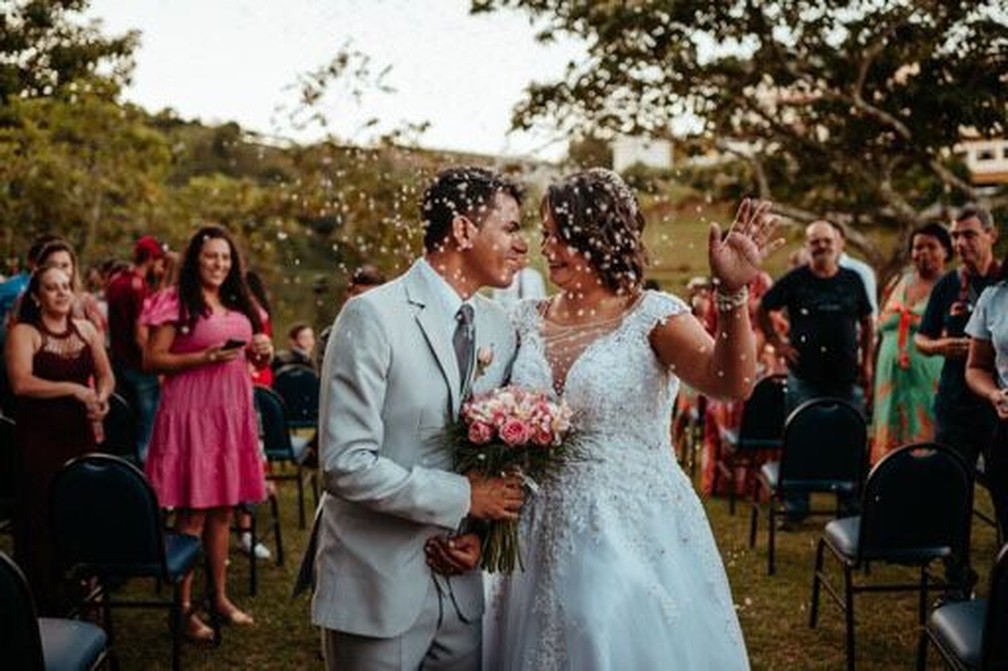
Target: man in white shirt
[864,271]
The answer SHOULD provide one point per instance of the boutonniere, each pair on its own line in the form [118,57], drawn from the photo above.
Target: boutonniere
[484,357]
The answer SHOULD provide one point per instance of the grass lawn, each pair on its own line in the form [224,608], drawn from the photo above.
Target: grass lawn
[773,610]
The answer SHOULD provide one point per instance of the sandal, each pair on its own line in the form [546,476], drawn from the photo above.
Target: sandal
[234,616]
[194,629]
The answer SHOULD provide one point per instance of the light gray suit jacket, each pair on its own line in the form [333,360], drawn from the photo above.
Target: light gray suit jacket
[390,387]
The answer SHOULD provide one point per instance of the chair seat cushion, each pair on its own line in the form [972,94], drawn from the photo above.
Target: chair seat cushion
[181,552]
[770,472]
[958,626]
[70,645]
[842,535]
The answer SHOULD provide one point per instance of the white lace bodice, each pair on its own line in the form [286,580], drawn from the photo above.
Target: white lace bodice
[616,381]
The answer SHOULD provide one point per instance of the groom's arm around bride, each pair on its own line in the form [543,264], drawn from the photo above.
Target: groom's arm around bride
[398,365]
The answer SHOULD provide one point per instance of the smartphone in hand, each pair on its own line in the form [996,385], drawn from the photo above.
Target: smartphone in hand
[233,344]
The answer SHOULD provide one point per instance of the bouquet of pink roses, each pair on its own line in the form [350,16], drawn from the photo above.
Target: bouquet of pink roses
[511,429]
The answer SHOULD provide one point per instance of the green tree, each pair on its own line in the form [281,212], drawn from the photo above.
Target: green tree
[844,108]
[45,48]
[89,168]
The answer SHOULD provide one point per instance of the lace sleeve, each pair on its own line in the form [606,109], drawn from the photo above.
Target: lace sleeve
[658,307]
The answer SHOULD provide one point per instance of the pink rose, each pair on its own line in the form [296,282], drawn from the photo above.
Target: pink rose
[515,432]
[542,438]
[480,433]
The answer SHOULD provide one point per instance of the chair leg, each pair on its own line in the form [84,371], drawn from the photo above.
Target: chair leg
[849,614]
[732,483]
[300,495]
[772,538]
[816,584]
[922,602]
[922,645]
[177,626]
[106,611]
[253,528]
[277,533]
[753,515]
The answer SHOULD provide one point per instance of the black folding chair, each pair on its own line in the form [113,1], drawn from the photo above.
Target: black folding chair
[280,451]
[825,449]
[972,634]
[761,430]
[916,509]
[107,527]
[298,386]
[30,643]
[121,429]
[10,459]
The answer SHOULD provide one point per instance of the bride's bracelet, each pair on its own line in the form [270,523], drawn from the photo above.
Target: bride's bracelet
[728,302]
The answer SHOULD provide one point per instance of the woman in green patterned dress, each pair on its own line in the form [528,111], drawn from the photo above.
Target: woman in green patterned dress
[905,380]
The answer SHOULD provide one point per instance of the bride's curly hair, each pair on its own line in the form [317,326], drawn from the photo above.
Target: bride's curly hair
[597,214]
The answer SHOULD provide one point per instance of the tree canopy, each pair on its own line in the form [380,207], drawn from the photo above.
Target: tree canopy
[45,48]
[846,108]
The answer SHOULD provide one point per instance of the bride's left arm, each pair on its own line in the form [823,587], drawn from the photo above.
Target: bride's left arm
[724,367]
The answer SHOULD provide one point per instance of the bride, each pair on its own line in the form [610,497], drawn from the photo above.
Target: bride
[621,568]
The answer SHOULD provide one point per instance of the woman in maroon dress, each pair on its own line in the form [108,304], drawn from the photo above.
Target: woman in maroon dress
[52,359]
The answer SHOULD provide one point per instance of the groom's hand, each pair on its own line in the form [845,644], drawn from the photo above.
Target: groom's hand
[452,555]
[495,498]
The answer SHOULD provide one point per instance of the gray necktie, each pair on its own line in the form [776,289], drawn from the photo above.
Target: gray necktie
[463,341]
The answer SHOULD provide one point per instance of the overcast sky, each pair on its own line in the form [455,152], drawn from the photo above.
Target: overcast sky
[222,60]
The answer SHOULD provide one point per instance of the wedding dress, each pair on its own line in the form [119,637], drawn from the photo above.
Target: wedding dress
[621,568]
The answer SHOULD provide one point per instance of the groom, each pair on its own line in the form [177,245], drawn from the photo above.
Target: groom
[399,363]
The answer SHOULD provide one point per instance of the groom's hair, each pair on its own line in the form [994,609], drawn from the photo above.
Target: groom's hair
[468,191]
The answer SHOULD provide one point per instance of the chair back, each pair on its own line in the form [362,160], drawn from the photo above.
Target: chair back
[121,429]
[105,518]
[763,415]
[10,460]
[298,386]
[19,632]
[994,644]
[272,424]
[917,505]
[824,448]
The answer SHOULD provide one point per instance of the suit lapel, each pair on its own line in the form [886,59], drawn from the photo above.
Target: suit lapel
[431,320]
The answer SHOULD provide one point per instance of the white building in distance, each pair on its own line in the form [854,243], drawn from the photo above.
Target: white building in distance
[986,158]
[628,151]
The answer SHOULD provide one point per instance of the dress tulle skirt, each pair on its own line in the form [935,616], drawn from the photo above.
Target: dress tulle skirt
[599,593]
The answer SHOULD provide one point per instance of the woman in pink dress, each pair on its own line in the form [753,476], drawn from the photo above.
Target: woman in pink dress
[204,452]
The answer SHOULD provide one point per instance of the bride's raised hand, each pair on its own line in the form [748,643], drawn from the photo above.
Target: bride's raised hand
[737,258]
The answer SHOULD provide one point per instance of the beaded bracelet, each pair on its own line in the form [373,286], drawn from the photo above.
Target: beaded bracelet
[728,302]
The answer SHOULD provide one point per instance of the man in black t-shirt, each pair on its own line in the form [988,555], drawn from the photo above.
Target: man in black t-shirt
[829,345]
[963,421]
[830,337]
